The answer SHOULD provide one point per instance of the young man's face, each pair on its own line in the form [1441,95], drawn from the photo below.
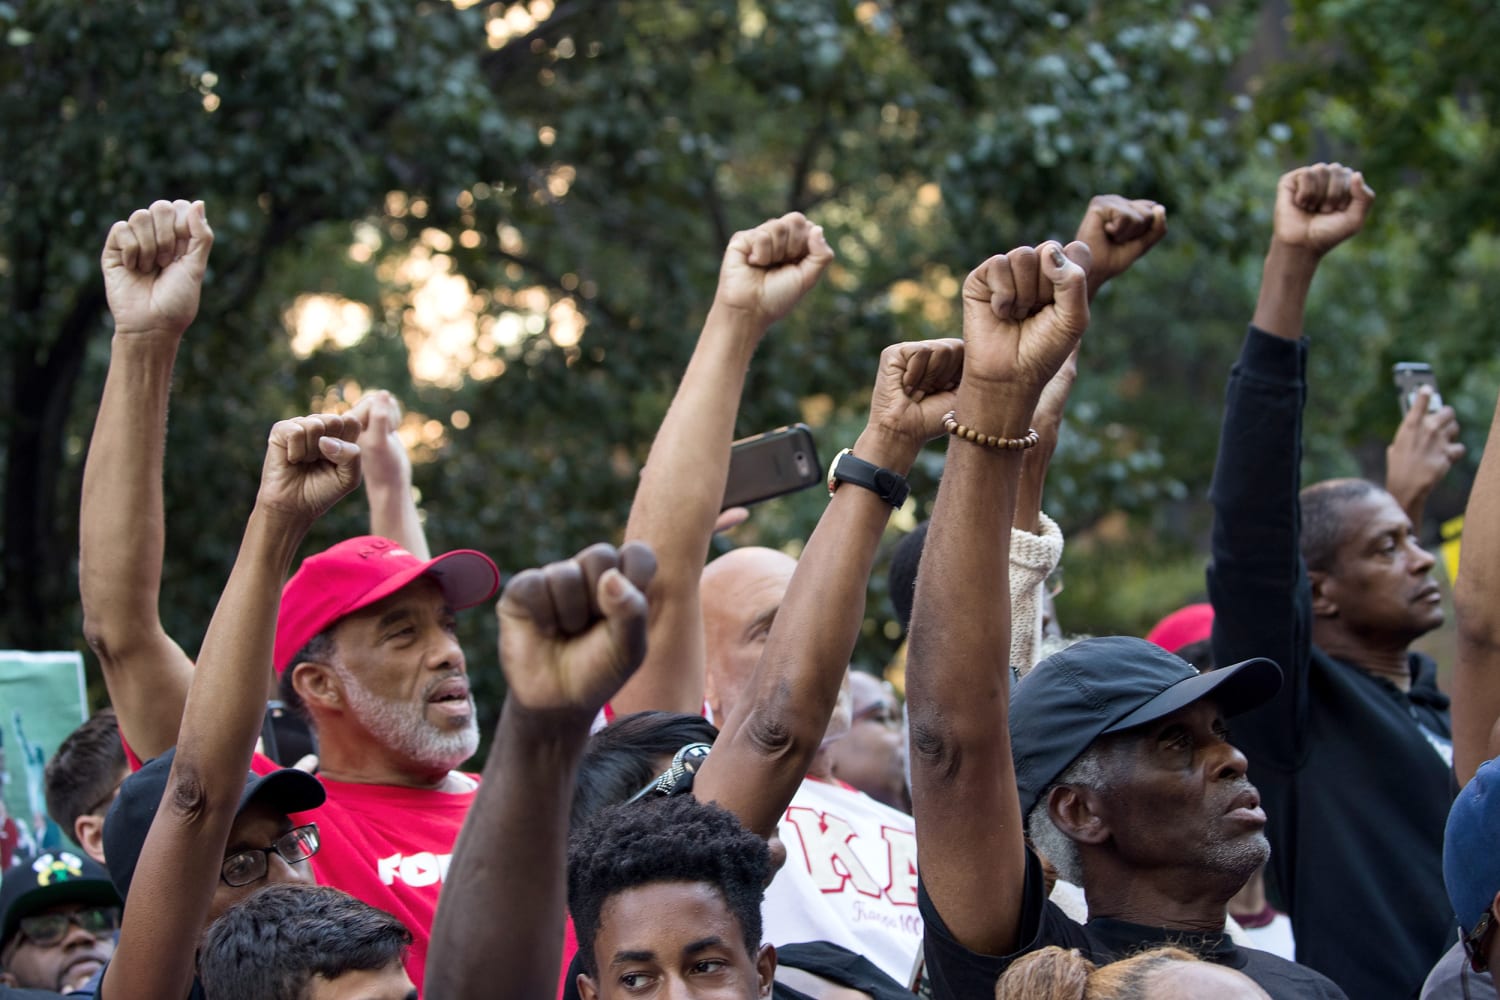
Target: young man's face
[675,940]
[65,964]
[389,983]
[258,825]
[405,678]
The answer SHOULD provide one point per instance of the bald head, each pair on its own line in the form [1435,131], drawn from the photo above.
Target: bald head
[741,593]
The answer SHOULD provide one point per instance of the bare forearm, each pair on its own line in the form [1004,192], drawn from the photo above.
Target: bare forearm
[774,735]
[513,848]
[675,507]
[1033,482]
[226,701]
[393,515]
[1286,280]
[1476,594]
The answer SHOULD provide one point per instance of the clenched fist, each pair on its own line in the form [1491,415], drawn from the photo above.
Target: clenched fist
[153,267]
[916,386]
[571,633]
[1118,232]
[1024,312]
[1320,206]
[767,270]
[311,464]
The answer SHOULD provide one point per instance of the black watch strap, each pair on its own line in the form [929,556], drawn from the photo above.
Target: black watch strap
[889,486]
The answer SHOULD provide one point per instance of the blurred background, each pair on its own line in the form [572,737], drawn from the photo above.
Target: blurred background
[511,215]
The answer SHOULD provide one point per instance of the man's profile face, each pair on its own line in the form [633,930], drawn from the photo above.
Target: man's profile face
[1177,797]
[64,965]
[405,678]
[872,756]
[258,825]
[1381,579]
[388,983]
[676,939]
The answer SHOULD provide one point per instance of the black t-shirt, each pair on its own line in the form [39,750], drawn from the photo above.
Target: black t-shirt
[960,974]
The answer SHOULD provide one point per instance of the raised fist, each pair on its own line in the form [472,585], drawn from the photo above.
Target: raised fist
[767,270]
[1024,312]
[381,453]
[1320,206]
[311,464]
[916,386]
[573,632]
[153,267]
[1118,232]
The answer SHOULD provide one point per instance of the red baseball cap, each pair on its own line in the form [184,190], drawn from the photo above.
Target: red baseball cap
[1183,627]
[360,571]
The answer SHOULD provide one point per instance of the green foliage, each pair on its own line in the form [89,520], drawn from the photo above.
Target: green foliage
[535,163]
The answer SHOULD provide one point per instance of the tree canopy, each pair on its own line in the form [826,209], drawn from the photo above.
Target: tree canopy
[511,215]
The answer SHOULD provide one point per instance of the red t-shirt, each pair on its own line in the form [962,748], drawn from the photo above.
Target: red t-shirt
[388,846]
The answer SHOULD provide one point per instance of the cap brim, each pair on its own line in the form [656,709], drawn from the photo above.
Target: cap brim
[88,891]
[466,576]
[1234,689]
[287,790]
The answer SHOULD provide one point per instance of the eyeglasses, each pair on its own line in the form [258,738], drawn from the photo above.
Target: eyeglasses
[678,778]
[48,929]
[1474,944]
[244,867]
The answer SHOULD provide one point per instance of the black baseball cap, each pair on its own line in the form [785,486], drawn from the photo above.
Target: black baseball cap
[34,883]
[129,819]
[1109,684]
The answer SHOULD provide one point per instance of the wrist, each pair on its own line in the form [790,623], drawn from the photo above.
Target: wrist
[742,327]
[999,409]
[1295,257]
[886,449]
[281,531]
[564,730]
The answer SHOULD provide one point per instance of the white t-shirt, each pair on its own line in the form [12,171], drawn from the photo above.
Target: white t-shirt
[850,877]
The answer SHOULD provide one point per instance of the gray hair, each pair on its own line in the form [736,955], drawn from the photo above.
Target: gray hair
[1087,771]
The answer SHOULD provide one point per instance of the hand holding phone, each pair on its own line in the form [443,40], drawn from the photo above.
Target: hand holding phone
[1410,376]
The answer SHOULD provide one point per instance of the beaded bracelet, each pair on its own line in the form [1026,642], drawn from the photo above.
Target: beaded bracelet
[952,426]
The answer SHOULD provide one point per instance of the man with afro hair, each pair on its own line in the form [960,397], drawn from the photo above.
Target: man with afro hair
[668,892]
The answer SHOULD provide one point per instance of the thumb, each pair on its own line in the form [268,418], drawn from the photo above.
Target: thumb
[1420,401]
[338,452]
[200,236]
[819,256]
[624,610]
[1363,196]
[1067,269]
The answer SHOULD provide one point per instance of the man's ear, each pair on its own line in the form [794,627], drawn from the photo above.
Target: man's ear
[6,979]
[319,686]
[1078,813]
[586,988]
[765,967]
[88,833]
[1324,593]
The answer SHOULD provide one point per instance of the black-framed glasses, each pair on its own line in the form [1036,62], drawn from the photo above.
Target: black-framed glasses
[47,929]
[244,867]
[1474,943]
[678,778]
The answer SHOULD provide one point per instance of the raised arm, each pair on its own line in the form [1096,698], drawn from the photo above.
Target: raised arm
[387,471]
[1023,315]
[765,747]
[570,634]
[766,271]
[153,270]
[1476,598]
[1256,580]
[1425,447]
[311,463]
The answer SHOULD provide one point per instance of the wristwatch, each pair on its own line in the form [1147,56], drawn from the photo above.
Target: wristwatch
[889,486]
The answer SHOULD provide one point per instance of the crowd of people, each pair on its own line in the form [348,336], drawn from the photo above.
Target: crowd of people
[690,793]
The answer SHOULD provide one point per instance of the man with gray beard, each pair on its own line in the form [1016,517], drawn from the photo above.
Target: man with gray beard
[365,651]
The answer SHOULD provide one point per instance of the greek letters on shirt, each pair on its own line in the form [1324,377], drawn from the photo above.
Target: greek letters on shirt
[416,870]
[828,842]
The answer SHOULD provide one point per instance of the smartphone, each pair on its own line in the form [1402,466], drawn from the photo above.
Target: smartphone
[1411,376]
[770,465]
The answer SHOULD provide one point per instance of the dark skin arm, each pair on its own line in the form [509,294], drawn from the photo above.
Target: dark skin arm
[1023,315]
[765,272]
[1476,596]
[570,635]
[311,463]
[766,746]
